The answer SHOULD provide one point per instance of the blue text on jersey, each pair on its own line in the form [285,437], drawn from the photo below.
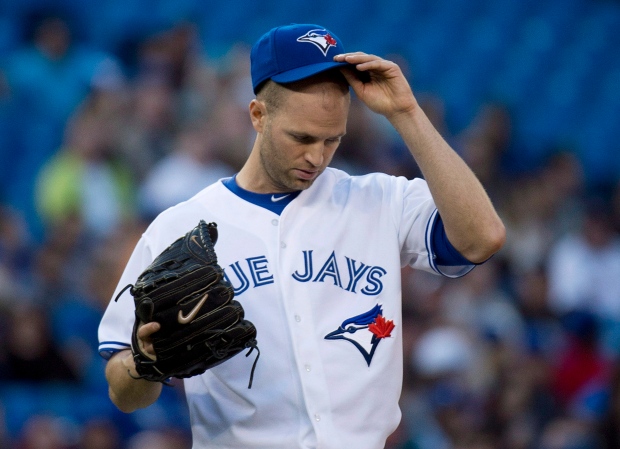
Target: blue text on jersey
[358,276]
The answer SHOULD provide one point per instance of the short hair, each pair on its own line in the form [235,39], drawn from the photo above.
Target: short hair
[272,93]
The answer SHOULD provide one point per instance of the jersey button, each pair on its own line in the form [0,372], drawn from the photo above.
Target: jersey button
[308,368]
[297,318]
[274,222]
[317,417]
[282,245]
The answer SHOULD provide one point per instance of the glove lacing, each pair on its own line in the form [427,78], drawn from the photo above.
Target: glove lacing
[223,352]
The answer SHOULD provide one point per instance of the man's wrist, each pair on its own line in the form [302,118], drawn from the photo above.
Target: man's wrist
[129,363]
[406,117]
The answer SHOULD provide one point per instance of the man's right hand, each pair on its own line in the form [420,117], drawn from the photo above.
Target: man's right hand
[144,338]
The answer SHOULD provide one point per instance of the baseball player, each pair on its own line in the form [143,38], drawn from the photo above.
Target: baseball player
[314,256]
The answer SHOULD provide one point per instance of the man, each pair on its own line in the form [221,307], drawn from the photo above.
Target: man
[314,256]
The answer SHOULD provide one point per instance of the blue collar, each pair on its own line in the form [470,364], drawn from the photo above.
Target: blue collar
[275,202]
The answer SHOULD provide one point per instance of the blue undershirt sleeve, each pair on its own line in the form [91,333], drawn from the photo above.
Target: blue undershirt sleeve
[445,253]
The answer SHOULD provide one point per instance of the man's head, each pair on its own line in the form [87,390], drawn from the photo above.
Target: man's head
[299,128]
[301,106]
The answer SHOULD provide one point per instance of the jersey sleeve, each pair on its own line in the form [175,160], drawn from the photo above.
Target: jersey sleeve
[117,323]
[423,242]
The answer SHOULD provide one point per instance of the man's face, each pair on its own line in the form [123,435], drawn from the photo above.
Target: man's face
[300,138]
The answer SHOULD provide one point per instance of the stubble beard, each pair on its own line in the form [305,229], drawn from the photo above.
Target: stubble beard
[279,176]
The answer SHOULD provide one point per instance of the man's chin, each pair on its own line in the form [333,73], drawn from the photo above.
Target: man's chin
[300,185]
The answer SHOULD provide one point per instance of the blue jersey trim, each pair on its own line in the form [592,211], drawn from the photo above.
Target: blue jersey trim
[428,241]
[442,256]
[275,202]
[108,348]
[445,253]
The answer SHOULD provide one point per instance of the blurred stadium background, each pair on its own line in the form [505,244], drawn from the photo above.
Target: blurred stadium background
[112,111]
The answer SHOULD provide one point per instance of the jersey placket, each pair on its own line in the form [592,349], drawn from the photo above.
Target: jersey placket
[304,342]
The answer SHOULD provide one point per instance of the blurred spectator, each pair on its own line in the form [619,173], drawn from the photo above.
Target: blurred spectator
[520,403]
[478,303]
[58,265]
[47,78]
[46,432]
[540,207]
[30,353]
[109,260]
[437,410]
[4,437]
[529,231]
[53,73]
[399,439]
[167,54]
[584,268]
[16,253]
[99,434]
[200,89]
[610,424]
[75,315]
[568,433]
[148,132]
[543,333]
[166,90]
[582,375]
[229,114]
[7,133]
[564,183]
[86,179]
[615,207]
[485,142]
[190,167]
[164,439]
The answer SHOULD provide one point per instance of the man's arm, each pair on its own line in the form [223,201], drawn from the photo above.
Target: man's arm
[127,393]
[470,220]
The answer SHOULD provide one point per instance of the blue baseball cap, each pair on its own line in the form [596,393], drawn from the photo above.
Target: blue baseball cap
[294,52]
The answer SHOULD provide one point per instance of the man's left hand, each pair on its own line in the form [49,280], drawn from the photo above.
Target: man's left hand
[381,84]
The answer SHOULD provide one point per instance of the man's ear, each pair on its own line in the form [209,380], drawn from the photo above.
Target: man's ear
[258,115]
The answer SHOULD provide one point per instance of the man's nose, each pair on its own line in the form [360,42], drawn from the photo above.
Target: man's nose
[315,154]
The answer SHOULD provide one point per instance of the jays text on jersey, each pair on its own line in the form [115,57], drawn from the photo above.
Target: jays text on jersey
[320,279]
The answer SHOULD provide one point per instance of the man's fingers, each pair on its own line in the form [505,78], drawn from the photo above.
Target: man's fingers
[144,338]
[147,349]
[354,57]
[366,63]
[145,331]
[358,58]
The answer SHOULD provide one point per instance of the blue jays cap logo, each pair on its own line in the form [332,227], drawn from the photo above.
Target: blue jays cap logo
[321,38]
[365,331]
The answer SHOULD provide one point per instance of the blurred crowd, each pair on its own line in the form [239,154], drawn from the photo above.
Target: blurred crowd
[522,353]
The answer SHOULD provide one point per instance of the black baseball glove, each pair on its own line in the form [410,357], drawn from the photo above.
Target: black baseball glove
[201,325]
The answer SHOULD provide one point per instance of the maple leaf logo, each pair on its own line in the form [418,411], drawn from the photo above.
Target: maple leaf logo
[381,327]
[330,40]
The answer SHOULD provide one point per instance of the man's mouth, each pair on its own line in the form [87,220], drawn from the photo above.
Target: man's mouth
[306,175]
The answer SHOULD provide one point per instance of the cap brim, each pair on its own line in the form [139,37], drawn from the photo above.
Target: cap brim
[301,73]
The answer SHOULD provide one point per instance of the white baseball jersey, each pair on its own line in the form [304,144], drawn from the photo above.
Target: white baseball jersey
[319,275]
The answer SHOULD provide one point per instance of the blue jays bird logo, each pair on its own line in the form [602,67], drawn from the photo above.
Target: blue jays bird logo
[321,38]
[365,331]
